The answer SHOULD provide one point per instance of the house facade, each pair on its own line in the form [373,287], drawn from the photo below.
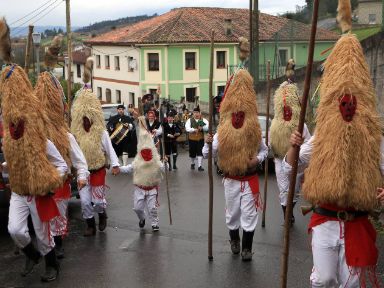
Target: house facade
[370,12]
[170,54]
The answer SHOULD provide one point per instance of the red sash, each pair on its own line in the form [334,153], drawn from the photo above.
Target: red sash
[63,192]
[359,235]
[46,208]
[97,178]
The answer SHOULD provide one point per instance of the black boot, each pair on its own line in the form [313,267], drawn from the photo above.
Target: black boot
[59,247]
[102,221]
[285,209]
[91,227]
[169,163]
[174,162]
[246,254]
[51,267]
[33,257]
[235,241]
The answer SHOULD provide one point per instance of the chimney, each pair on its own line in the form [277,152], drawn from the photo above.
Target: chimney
[228,27]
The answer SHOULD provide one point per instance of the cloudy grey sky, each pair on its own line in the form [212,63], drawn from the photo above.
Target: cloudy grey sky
[84,12]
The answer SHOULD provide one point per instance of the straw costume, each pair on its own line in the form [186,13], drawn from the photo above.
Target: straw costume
[35,166]
[147,174]
[239,147]
[345,167]
[89,130]
[51,95]
[286,120]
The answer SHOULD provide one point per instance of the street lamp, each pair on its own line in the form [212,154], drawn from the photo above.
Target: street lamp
[36,40]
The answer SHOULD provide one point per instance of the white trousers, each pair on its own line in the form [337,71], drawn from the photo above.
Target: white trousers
[92,200]
[283,183]
[59,224]
[240,210]
[146,200]
[20,208]
[330,269]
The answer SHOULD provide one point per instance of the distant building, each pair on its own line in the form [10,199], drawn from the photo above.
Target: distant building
[370,12]
[79,57]
[170,53]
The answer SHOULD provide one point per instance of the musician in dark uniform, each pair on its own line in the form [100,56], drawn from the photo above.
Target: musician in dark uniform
[171,132]
[128,145]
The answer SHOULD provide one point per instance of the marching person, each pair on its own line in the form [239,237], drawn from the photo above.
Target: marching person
[195,127]
[287,113]
[147,173]
[171,132]
[344,163]
[240,149]
[125,147]
[51,95]
[154,127]
[88,128]
[34,164]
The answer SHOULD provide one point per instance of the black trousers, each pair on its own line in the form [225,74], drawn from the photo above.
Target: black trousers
[170,148]
[195,148]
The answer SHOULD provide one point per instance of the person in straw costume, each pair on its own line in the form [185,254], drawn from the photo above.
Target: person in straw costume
[345,167]
[34,164]
[286,120]
[51,95]
[89,130]
[147,173]
[240,149]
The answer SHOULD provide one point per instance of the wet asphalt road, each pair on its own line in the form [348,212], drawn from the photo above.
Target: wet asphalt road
[124,256]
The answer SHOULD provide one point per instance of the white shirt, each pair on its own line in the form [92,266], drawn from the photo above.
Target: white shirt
[55,158]
[108,149]
[261,154]
[306,152]
[189,129]
[159,130]
[78,159]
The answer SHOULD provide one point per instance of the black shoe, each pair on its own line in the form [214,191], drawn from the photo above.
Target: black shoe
[235,246]
[246,255]
[33,257]
[91,228]
[142,223]
[174,162]
[59,247]
[102,221]
[247,240]
[193,166]
[51,267]
[155,228]
[200,168]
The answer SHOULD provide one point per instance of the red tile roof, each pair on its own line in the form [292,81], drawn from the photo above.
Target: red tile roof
[191,25]
[80,56]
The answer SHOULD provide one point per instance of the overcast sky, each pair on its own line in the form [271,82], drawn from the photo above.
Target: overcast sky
[84,12]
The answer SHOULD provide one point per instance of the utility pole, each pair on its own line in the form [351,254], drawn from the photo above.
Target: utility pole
[28,49]
[382,15]
[250,65]
[256,41]
[69,49]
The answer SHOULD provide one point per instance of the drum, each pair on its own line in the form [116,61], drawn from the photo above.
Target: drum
[119,134]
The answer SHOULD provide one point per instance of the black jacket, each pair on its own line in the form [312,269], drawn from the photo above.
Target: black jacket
[167,129]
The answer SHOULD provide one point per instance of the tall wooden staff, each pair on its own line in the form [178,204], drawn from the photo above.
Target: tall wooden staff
[166,170]
[307,84]
[210,221]
[266,142]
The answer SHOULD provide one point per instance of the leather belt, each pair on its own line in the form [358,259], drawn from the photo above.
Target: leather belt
[342,215]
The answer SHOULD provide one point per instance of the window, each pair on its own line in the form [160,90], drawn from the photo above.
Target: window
[98,61]
[108,95]
[190,62]
[118,96]
[372,19]
[153,92]
[117,63]
[78,70]
[220,59]
[131,64]
[153,61]
[132,98]
[283,57]
[106,61]
[220,89]
[191,94]
[99,93]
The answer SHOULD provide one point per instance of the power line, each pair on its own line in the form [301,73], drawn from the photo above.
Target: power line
[20,26]
[49,11]
[25,16]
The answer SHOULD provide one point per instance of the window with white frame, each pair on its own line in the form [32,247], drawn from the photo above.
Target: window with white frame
[131,64]
[117,63]
[221,61]
[78,70]
[283,56]
[220,89]
[108,96]
[99,93]
[190,94]
[153,61]
[118,96]
[190,60]
[372,18]
[98,61]
[107,64]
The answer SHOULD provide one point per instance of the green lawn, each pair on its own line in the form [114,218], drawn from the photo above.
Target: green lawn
[363,33]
